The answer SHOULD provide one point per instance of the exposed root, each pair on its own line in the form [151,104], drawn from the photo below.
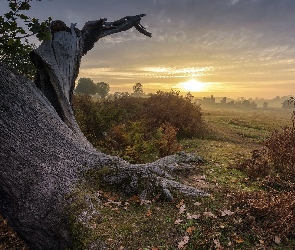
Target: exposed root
[154,179]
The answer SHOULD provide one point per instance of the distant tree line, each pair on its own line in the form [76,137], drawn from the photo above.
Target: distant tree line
[86,86]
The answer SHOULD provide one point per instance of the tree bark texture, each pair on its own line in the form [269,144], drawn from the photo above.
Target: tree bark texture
[43,153]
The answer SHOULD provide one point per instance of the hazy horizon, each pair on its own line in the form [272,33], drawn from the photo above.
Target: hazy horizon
[199,94]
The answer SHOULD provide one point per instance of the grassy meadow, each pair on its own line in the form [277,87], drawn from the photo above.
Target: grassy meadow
[227,219]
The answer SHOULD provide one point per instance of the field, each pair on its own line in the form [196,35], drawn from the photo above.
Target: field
[215,222]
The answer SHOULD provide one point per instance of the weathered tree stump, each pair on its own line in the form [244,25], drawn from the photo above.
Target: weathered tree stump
[43,153]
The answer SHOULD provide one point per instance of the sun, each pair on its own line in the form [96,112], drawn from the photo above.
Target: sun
[193,85]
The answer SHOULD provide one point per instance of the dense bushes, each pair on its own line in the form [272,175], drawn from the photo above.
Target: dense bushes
[275,159]
[138,129]
[170,107]
[270,213]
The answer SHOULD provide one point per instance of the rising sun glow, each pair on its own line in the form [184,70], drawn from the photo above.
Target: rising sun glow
[193,85]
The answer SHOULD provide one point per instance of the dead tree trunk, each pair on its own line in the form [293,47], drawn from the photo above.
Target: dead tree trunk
[43,153]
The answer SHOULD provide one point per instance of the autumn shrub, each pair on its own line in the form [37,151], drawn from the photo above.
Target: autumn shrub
[271,215]
[88,118]
[166,141]
[281,151]
[276,158]
[257,166]
[102,114]
[123,109]
[130,141]
[170,107]
[138,129]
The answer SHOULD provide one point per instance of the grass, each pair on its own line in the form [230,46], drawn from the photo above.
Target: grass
[214,222]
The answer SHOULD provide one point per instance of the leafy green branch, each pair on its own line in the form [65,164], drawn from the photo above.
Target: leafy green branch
[15,28]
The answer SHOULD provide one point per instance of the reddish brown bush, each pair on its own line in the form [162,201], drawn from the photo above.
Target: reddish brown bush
[271,215]
[166,141]
[276,158]
[170,107]
[138,129]
[258,166]
[281,151]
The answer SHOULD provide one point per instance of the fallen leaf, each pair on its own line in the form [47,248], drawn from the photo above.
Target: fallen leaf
[217,245]
[197,203]
[149,213]
[180,204]
[135,198]
[191,217]
[238,221]
[107,204]
[177,222]
[239,240]
[181,209]
[182,243]
[226,212]
[107,195]
[209,214]
[118,203]
[116,210]
[113,198]
[277,239]
[145,202]
[190,230]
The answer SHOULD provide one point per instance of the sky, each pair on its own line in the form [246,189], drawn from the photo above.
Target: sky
[233,48]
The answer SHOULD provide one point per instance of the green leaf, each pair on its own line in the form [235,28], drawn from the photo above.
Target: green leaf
[13,6]
[9,14]
[24,17]
[10,41]
[24,6]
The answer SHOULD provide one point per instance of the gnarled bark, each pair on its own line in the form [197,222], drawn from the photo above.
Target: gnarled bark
[43,153]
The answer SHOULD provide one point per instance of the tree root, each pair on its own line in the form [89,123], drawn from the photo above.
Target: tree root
[154,179]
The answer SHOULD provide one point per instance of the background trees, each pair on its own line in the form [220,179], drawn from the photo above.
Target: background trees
[85,86]
[137,88]
[88,87]
[102,88]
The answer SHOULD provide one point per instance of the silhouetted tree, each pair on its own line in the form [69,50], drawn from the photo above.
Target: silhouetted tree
[86,86]
[189,96]
[265,104]
[246,103]
[102,89]
[137,88]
